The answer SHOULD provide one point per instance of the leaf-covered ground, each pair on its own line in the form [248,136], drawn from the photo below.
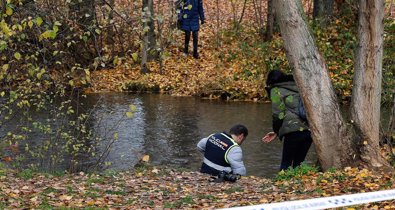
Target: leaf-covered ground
[219,70]
[165,188]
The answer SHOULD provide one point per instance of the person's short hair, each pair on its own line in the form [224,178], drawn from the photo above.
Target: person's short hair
[239,129]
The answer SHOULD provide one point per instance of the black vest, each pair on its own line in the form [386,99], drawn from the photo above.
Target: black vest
[217,147]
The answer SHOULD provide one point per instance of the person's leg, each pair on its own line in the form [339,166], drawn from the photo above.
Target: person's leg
[187,38]
[288,152]
[304,142]
[195,44]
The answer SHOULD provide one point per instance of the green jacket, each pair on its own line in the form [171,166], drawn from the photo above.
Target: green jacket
[285,101]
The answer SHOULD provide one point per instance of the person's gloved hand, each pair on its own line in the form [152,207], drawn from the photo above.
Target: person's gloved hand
[202,22]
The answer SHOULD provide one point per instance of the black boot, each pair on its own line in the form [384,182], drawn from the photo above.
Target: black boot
[196,54]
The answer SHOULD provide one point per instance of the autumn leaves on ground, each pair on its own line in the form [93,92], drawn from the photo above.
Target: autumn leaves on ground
[150,187]
[221,69]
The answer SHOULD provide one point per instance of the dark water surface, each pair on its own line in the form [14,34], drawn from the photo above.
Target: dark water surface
[167,128]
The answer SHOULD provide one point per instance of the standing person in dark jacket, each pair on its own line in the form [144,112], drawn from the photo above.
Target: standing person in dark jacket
[287,125]
[192,11]
[222,151]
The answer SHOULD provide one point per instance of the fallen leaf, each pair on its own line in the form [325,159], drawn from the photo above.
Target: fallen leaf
[145,158]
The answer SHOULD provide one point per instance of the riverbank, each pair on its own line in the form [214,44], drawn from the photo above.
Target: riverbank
[151,187]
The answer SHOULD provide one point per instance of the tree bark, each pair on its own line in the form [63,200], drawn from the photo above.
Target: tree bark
[391,125]
[331,139]
[270,20]
[149,25]
[149,39]
[366,93]
[2,7]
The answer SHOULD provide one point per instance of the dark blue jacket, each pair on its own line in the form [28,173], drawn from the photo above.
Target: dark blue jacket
[215,154]
[192,11]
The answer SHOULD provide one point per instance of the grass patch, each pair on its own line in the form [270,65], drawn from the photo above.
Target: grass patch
[234,189]
[45,205]
[93,180]
[49,190]
[208,197]
[92,194]
[26,174]
[115,192]
[185,200]
[290,173]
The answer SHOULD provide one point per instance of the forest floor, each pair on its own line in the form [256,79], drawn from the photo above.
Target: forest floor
[218,72]
[150,187]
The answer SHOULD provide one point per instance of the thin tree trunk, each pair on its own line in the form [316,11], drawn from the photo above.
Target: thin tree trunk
[146,17]
[331,139]
[243,11]
[391,125]
[2,7]
[270,20]
[366,93]
[258,18]
[322,11]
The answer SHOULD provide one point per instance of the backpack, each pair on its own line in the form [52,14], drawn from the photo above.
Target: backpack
[301,111]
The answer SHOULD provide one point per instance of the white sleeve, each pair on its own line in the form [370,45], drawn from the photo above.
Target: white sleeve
[201,146]
[235,159]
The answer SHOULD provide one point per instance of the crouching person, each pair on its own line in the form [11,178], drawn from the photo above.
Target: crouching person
[223,156]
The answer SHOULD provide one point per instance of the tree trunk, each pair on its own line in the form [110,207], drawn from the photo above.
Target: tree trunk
[111,33]
[2,7]
[149,39]
[322,11]
[331,139]
[270,20]
[366,93]
[149,28]
[391,126]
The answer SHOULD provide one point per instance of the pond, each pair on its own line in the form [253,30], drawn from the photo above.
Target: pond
[167,128]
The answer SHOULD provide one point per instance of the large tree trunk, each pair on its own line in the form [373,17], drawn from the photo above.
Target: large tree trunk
[366,94]
[329,131]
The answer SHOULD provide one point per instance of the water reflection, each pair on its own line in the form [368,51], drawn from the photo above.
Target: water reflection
[167,128]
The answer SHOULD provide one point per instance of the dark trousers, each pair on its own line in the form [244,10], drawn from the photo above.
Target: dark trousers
[295,148]
[195,41]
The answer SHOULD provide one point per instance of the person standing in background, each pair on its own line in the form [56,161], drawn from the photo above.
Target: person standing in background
[191,12]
